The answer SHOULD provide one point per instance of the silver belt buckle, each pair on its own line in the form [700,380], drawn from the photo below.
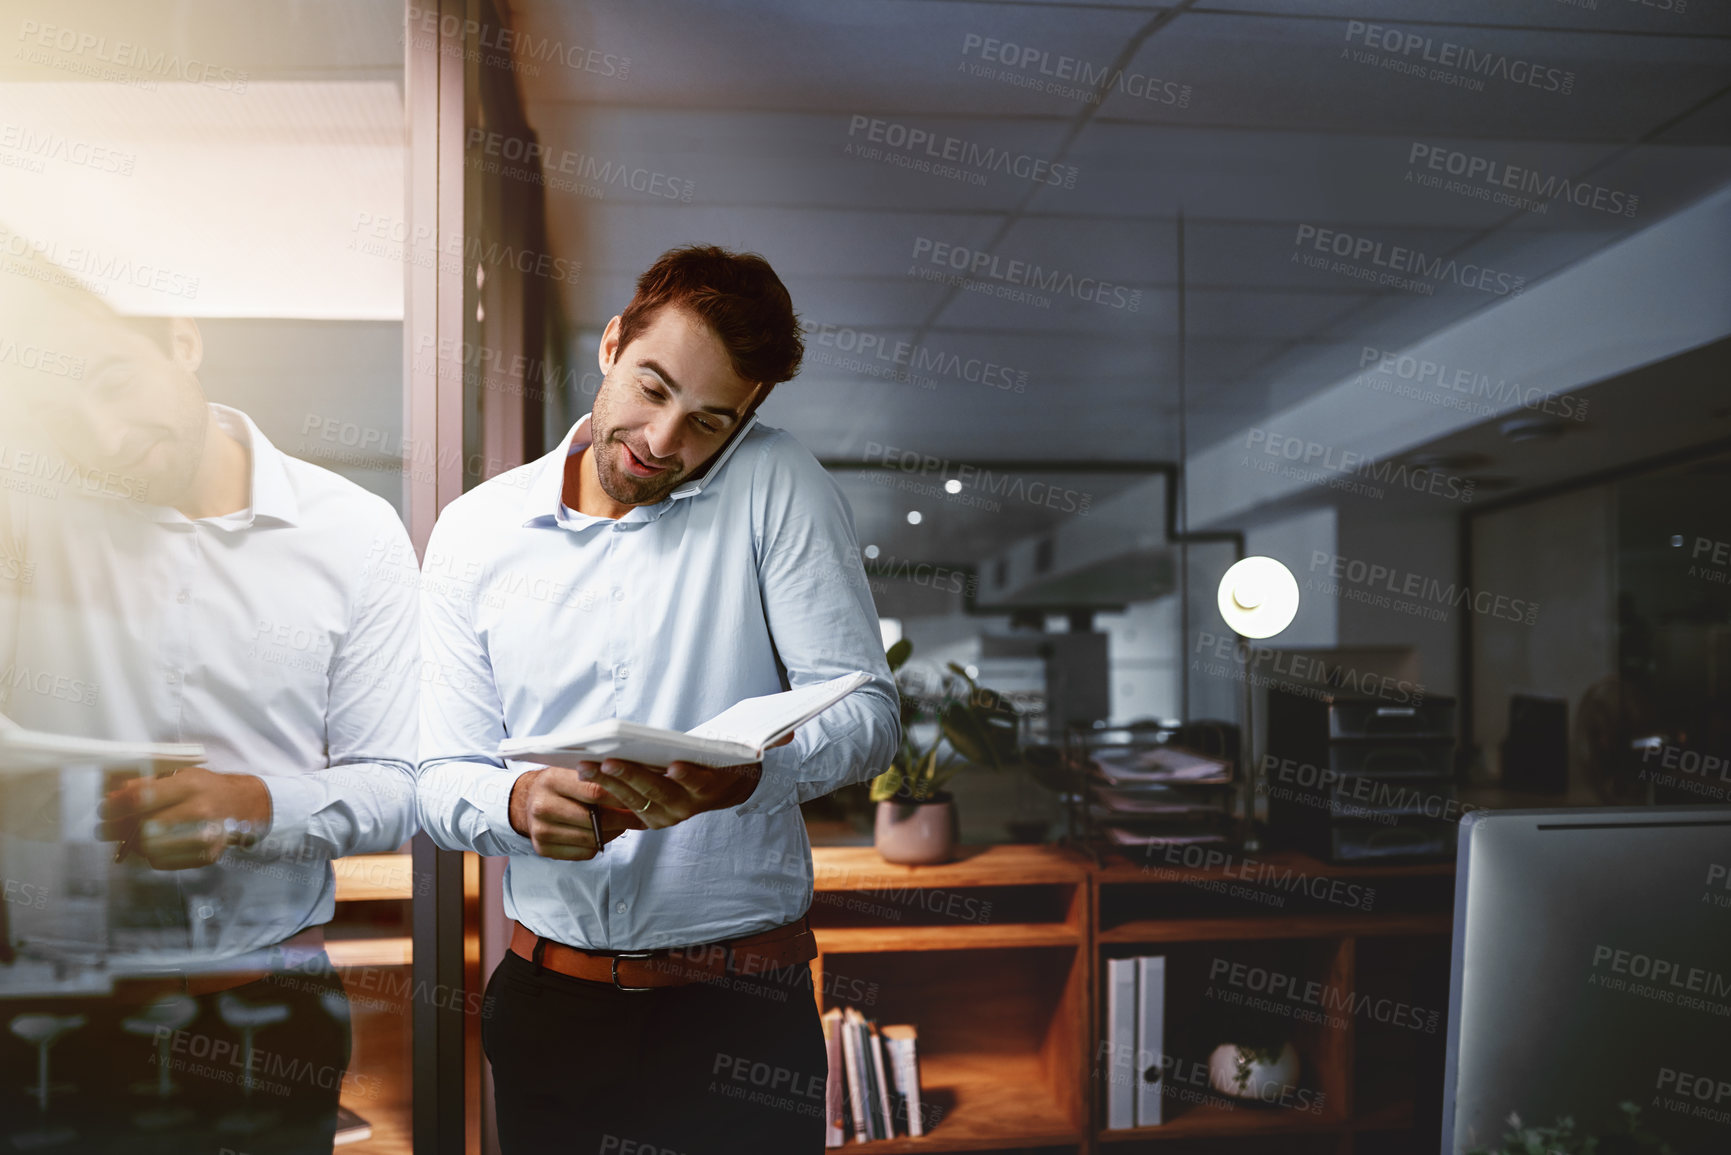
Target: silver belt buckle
[617,955]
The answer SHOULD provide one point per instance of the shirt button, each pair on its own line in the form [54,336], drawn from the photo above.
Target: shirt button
[623,672]
[184,597]
[619,908]
[618,595]
[173,677]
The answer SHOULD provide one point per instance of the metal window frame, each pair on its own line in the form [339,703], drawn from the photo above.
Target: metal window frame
[436,82]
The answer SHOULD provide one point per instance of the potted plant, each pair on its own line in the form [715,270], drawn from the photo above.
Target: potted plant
[1625,1134]
[916,817]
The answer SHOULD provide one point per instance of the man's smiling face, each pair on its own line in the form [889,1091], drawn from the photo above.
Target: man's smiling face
[667,403]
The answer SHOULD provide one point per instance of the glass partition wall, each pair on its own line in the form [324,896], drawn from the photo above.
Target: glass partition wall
[207,255]
[1100,306]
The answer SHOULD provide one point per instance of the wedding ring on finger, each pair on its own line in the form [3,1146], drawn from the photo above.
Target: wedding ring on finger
[647,803]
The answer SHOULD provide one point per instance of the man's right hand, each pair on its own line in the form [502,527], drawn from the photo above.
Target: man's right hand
[547,809]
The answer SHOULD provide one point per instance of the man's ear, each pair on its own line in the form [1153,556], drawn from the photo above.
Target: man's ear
[759,395]
[609,351]
[185,343]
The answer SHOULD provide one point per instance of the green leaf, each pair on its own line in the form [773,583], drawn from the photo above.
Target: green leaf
[885,785]
[965,733]
[898,653]
[930,766]
[983,737]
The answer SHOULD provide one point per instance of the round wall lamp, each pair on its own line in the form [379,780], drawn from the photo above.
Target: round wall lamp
[1258,597]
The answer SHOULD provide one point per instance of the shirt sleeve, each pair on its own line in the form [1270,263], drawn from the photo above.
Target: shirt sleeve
[824,624]
[463,788]
[363,801]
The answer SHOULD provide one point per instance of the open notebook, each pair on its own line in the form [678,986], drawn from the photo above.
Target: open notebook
[737,735]
[26,751]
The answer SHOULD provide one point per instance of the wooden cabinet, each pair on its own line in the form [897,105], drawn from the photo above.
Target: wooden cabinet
[989,958]
[999,960]
[369,943]
[1327,952]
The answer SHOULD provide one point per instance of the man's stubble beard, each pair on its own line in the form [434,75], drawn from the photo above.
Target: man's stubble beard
[173,482]
[616,483]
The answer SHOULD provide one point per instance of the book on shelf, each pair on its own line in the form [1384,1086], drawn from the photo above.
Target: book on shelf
[351,1128]
[856,1099]
[901,1040]
[835,1085]
[738,735]
[878,1076]
[883,1085]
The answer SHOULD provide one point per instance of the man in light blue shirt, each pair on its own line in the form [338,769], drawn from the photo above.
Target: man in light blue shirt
[168,575]
[673,556]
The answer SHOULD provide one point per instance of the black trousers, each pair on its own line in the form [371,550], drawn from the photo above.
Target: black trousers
[105,1100]
[704,1069]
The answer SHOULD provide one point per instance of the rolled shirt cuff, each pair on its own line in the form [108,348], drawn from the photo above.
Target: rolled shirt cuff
[776,786]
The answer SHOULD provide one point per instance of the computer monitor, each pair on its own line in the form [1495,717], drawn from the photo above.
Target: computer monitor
[1592,967]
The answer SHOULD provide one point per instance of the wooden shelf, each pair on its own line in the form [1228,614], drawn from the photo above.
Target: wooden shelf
[1118,869]
[364,937]
[1396,1116]
[862,868]
[978,936]
[1007,1040]
[391,1130]
[371,952]
[992,1102]
[374,877]
[1151,930]
[1209,1120]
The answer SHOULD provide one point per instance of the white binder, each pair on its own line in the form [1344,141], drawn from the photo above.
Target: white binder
[1150,1037]
[1121,1043]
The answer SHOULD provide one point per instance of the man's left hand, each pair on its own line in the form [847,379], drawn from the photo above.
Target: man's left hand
[667,797]
[188,819]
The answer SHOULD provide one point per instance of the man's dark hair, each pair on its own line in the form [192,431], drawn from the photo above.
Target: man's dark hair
[737,295]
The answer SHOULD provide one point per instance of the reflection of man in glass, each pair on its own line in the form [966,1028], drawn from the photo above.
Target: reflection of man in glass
[670,558]
[184,581]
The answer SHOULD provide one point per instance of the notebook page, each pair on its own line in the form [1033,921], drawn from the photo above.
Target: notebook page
[756,722]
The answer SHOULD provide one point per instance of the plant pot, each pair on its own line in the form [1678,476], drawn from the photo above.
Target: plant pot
[917,833]
[1243,1074]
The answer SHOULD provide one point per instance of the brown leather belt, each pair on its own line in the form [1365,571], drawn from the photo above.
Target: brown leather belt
[147,988]
[642,970]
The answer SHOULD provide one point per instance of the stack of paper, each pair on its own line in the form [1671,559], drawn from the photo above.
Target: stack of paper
[32,751]
[1143,795]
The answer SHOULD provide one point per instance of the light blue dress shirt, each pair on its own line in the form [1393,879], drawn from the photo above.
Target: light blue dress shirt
[283,638]
[535,617]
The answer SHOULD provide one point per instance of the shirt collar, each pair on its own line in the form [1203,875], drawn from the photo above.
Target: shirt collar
[273,495]
[546,491]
